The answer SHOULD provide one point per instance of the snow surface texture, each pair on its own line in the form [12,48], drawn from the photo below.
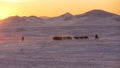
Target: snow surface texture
[38,50]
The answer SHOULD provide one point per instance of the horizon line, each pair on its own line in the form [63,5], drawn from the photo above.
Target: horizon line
[59,15]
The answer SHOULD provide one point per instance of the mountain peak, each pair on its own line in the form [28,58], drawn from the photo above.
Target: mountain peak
[98,13]
[66,15]
[34,17]
[14,18]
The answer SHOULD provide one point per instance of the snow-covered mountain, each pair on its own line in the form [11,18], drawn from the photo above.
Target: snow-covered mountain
[17,21]
[97,17]
[93,17]
[97,13]
[64,17]
[62,20]
[44,17]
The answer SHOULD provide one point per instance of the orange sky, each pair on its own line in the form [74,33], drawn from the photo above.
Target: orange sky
[54,7]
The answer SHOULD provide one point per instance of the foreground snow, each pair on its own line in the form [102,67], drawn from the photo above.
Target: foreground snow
[40,51]
[57,54]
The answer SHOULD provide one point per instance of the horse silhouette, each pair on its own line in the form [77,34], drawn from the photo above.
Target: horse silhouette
[62,38]
[81,37]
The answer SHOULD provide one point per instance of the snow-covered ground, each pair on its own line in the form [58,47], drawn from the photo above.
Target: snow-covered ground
[39,50]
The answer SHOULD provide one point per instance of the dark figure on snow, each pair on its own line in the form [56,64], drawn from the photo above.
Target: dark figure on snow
[21,49]
[96,36]
[22,38]
[81,37]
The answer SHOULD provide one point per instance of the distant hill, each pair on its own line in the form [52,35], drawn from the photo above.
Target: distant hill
[93,17]
[66,16]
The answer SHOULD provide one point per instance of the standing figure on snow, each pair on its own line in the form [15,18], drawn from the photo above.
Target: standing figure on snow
[22,38]
[21,50]
[96,36]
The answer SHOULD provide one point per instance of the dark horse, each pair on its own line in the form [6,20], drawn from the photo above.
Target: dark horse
[57,38]
[62,38]
[81,37]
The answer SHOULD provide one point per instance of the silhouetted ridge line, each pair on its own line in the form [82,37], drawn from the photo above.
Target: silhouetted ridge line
[97,13]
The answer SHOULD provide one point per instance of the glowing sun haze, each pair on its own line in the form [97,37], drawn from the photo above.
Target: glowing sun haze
[54,7]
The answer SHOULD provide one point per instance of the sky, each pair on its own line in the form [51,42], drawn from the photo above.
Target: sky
[53,8]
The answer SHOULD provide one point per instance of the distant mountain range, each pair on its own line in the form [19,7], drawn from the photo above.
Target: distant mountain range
[94,17]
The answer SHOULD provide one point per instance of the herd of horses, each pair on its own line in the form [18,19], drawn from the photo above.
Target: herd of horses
[73,37]
[66,38]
